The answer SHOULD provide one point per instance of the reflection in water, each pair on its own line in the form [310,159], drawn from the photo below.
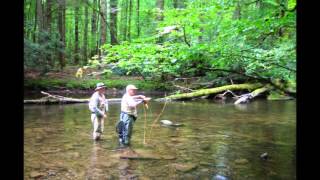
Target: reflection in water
[93,165]
[241,107]
[216,139]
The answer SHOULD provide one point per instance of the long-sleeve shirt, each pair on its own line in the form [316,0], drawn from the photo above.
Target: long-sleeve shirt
[98,104]
[129,104]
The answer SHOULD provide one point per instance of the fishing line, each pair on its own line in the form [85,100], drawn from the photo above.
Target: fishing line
[157,118]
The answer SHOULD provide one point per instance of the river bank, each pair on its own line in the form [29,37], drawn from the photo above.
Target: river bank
[66,83]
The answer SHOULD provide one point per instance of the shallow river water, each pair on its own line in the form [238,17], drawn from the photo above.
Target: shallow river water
[217,140]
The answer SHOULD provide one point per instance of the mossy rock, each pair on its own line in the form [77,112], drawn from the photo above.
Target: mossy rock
[277,96]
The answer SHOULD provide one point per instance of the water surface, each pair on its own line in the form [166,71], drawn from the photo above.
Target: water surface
[216,139]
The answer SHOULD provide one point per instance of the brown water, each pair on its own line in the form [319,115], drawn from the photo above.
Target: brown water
[217,139]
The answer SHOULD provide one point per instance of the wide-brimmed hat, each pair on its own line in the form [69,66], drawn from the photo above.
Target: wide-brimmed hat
[131,87]
[100,86]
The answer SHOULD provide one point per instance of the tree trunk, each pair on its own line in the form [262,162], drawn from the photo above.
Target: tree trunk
[76,35]
[25,18]
[201,30]
[94,28]
[181,4]
[138,18]
[28,17]
[283,7]
[113,21]
[175,3]
[185,36]
[39,19]
[160,6]
[48,29]
[130,16]
[44,16]
[124,19]
[85,36]
[237,12]
[103,25]
[204,92]
[259,4]
[35,23]
[62,31]
[49,16]
[99,30]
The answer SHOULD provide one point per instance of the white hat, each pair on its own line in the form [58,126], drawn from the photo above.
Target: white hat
[131,87]
[100,86]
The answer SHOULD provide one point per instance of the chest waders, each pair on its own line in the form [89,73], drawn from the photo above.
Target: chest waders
[124,128]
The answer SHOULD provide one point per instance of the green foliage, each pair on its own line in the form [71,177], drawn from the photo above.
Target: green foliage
[207,35]
[89,84]
[41,55]
[252,44]
[158,61]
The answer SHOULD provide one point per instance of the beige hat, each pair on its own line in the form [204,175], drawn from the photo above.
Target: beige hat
[131,87]
[100,86]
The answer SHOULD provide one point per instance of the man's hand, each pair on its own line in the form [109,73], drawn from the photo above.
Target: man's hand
[146,100]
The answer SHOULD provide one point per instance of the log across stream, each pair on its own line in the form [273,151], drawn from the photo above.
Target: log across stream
[56,99]
[255,90]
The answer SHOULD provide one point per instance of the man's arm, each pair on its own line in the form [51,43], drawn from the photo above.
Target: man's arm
[134,101]
[138,97]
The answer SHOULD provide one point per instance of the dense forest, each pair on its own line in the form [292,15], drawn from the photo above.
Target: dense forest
[219,41]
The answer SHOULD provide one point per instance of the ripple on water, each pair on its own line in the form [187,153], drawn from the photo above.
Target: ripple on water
[216,138]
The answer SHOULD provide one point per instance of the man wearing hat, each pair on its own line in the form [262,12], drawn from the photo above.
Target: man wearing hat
[128,114]
[98,106]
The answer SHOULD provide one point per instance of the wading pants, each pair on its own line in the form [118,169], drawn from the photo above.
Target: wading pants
[124,128]
[98,126]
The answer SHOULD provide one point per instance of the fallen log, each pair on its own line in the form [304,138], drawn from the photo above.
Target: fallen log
[205,92]
[222,96]
[183,88]
[56,99]
[247,97]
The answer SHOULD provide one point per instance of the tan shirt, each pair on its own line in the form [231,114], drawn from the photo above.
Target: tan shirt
[98,103]
[129,104]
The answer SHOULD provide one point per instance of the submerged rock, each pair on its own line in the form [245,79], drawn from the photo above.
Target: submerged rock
[241,161]
[123,166]
[107,164]
[170,123]
[272,173]
[185,167]
[204,170]
[144,178]
[73,154]
[35,166]
[202,163]
[205,147]
[35,174]
[219,177]
[51,151]
[51,173]
[168,157]
[166,122]
[145,154]
[264,156]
